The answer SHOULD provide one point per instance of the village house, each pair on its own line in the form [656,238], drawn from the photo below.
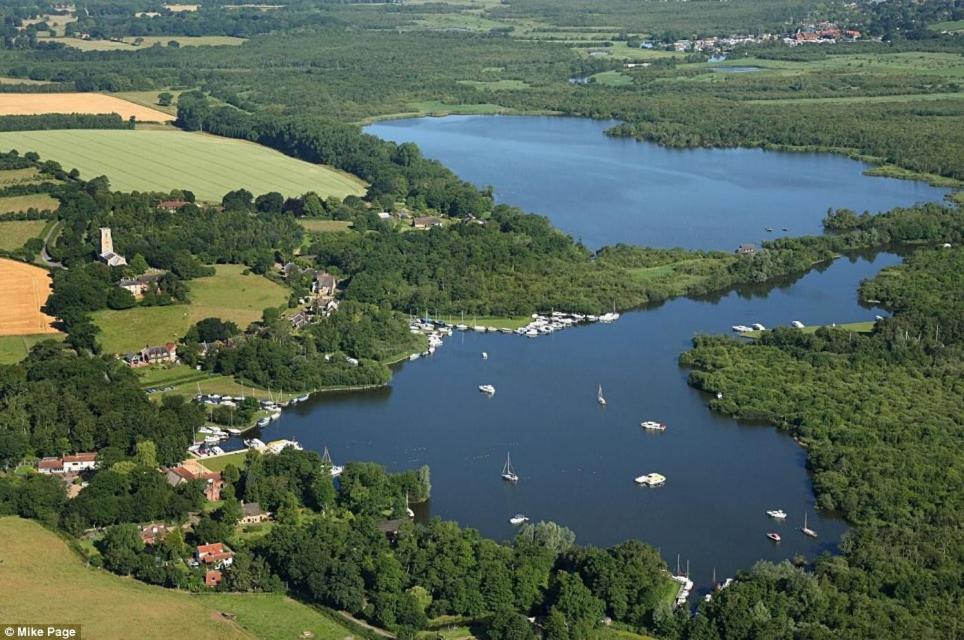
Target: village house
[141,284]
[152,355]
[746,250]
[214,555]
[253,513]
[68,464]
[426,222]
[107,254]
[153,533]
[179,475]
[324,284]
[300,320]
[171,205]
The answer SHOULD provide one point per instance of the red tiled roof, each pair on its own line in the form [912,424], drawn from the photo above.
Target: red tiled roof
[50,463]
[81,457]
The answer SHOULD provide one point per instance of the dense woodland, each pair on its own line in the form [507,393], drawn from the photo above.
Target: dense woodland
[880,415]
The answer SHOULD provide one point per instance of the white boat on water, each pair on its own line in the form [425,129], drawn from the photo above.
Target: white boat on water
[651,480]
[532,333]
[485,356]
[461,327]
[487,389]
[478,329]
[264,422]
[652,425]
[796,324]
[599,396]
[415,356]
[508,473]
[254,443]
[807,531]
[741,328]
[518,519]
[759,327]
[212,440]
[335,469]
[234,432]
[778,514]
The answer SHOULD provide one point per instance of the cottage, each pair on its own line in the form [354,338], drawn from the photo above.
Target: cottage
[216,555]
[171,205]
[179,475]
[324,284]
[141,284]
[426,222]
[107,254]
[68,464]
[746,250]
[153,533]
[253,513]
[300,320]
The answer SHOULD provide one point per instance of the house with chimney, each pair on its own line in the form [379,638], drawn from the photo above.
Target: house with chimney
[68,464]
[215,555]
[324,284]
[152,355]
[213,482]
[107,254]
[141,284]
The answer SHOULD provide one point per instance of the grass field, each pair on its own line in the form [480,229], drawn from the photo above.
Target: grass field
[219,463]
[9,177]
[496,85]
[227,295]
[34,103]
[127,44]
[149,99]
[15,348]
[23,290]
[324,226]
[42,580]
[611,78]
[39,201]
[14,233]
[856,327]
[9,80]
[210,166]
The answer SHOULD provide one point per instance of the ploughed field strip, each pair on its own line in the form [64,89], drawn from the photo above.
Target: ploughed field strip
[23,291]
[25,104]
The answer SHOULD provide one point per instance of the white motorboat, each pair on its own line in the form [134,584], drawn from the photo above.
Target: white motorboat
[652,425]
[599,396]
[485,356]
[487,389]
[518,519]
[796,324]
[778,514]
[759,327]
[651,480]
[264,422]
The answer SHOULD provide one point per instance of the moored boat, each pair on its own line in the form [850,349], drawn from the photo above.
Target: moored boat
[651,480]
[518,519]
[652,425]
[508,473]
[774,536]
[487,389]
[778,514]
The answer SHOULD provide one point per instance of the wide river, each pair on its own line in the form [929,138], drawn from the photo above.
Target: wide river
[577,460]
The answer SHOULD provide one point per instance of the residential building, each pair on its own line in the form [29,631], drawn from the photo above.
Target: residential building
[253,513]
[746,250]
[107,254]
[324,284]
[68,464]
[171,205]
[214,555]
[212,578]
[152,355]
[141,284]
[179,475]
[426,222]
[153,533]
[300,320]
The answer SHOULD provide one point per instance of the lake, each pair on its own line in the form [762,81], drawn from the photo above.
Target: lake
[577,460]
[604,190]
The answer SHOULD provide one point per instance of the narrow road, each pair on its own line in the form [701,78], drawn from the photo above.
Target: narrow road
[43,252]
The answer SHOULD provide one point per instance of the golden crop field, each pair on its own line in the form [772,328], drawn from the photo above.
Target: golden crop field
[23,290]
[15,104]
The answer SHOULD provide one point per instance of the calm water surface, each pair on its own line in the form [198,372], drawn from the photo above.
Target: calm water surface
[605,190]
[577,460]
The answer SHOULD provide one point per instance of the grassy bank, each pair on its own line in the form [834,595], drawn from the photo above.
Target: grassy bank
[15,348]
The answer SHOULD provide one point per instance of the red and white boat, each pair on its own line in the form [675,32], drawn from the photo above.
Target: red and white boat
[652,425]
[774,536]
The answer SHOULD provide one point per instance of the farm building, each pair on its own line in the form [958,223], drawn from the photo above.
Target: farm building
[426,222]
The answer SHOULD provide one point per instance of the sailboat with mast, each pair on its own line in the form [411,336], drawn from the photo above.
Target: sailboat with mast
[508,473]
[807,531]
[599,396]
[335,470]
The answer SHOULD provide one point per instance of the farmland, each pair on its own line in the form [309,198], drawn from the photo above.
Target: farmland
[39,567]
[39,201]
[16,104]
[210,166]
[14,233]
[15,348]
[23,290]
[128,44]
[228,295]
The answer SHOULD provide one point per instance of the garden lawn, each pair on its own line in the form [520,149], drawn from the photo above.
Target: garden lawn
[228,295]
